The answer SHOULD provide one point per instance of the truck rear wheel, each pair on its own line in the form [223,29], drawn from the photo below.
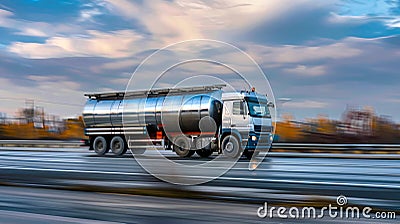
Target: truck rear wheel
[182,147]
[100,145]
[231,147]
[118,146]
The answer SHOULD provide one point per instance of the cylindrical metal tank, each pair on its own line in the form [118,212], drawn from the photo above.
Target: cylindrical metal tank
[186,109]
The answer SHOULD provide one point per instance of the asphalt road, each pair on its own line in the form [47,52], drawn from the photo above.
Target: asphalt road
[45,178]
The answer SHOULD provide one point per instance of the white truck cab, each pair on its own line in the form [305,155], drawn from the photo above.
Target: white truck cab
[246,117]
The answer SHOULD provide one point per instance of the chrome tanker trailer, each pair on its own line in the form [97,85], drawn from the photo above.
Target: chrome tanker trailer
[186,120]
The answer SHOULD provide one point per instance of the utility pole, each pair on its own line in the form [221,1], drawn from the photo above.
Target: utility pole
[40,110]
[29,111]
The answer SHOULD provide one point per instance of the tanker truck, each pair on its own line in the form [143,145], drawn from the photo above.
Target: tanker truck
[187,120]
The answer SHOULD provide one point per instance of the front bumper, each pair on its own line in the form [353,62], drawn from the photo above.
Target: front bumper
[259,140]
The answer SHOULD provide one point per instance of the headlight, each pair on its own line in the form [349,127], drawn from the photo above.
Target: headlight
[254,138]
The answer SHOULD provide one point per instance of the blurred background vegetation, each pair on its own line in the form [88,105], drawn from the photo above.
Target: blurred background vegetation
[34,123]
[355,126]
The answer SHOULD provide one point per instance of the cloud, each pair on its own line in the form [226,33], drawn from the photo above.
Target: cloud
[5,14]
[354,19]
[169,22]
[182,19]
[118,64]
[88,14]
[355,59]
[368,8]
[307,70]
[24,71]
[115,44]
[165,21]
[33,28]
[278,55]
[326,19]
[90,10]
[27,31]
[394,23]
[122,82]
[306,104]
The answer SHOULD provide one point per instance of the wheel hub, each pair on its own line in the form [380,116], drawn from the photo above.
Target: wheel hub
[229,147]
[99,145]
[117,145]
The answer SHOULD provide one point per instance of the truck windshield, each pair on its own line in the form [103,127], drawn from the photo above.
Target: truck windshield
[258,109]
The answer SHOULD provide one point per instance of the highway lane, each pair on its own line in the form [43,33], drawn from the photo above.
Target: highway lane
[282,179]
[57,206]
[279,179]
[35,205]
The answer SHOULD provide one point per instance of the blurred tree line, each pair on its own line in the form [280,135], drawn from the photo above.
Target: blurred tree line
[33,123]
[356,126]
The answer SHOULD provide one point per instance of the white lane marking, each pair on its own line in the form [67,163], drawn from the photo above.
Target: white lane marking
[44,159]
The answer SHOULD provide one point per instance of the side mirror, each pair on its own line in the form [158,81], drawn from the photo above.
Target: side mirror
[243,109]
[270,104]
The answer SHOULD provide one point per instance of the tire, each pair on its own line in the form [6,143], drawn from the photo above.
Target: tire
[204,153]
[100,146]
[231,147]
[118,146]
[182,147]
[250,154]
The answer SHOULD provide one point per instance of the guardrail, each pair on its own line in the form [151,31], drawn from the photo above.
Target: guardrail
[344,148]
[276,147]
[41,143]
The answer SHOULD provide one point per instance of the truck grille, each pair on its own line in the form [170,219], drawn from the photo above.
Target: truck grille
[262,128]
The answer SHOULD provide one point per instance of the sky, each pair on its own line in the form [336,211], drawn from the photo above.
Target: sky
[322,55]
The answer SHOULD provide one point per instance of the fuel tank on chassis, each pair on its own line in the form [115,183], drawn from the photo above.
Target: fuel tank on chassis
[200,112]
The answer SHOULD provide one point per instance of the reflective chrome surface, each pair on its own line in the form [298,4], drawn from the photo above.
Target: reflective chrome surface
[186,110]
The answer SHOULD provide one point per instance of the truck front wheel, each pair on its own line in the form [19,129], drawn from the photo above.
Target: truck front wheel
[100,145]
[231,147]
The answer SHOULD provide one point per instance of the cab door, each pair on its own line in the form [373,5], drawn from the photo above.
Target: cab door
[240,118]
[227,114]
[235,116]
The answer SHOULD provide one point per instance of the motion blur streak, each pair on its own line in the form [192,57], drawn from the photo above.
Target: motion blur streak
[38,183]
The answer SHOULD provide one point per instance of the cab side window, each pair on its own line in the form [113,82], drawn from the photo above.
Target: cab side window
[238,108]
